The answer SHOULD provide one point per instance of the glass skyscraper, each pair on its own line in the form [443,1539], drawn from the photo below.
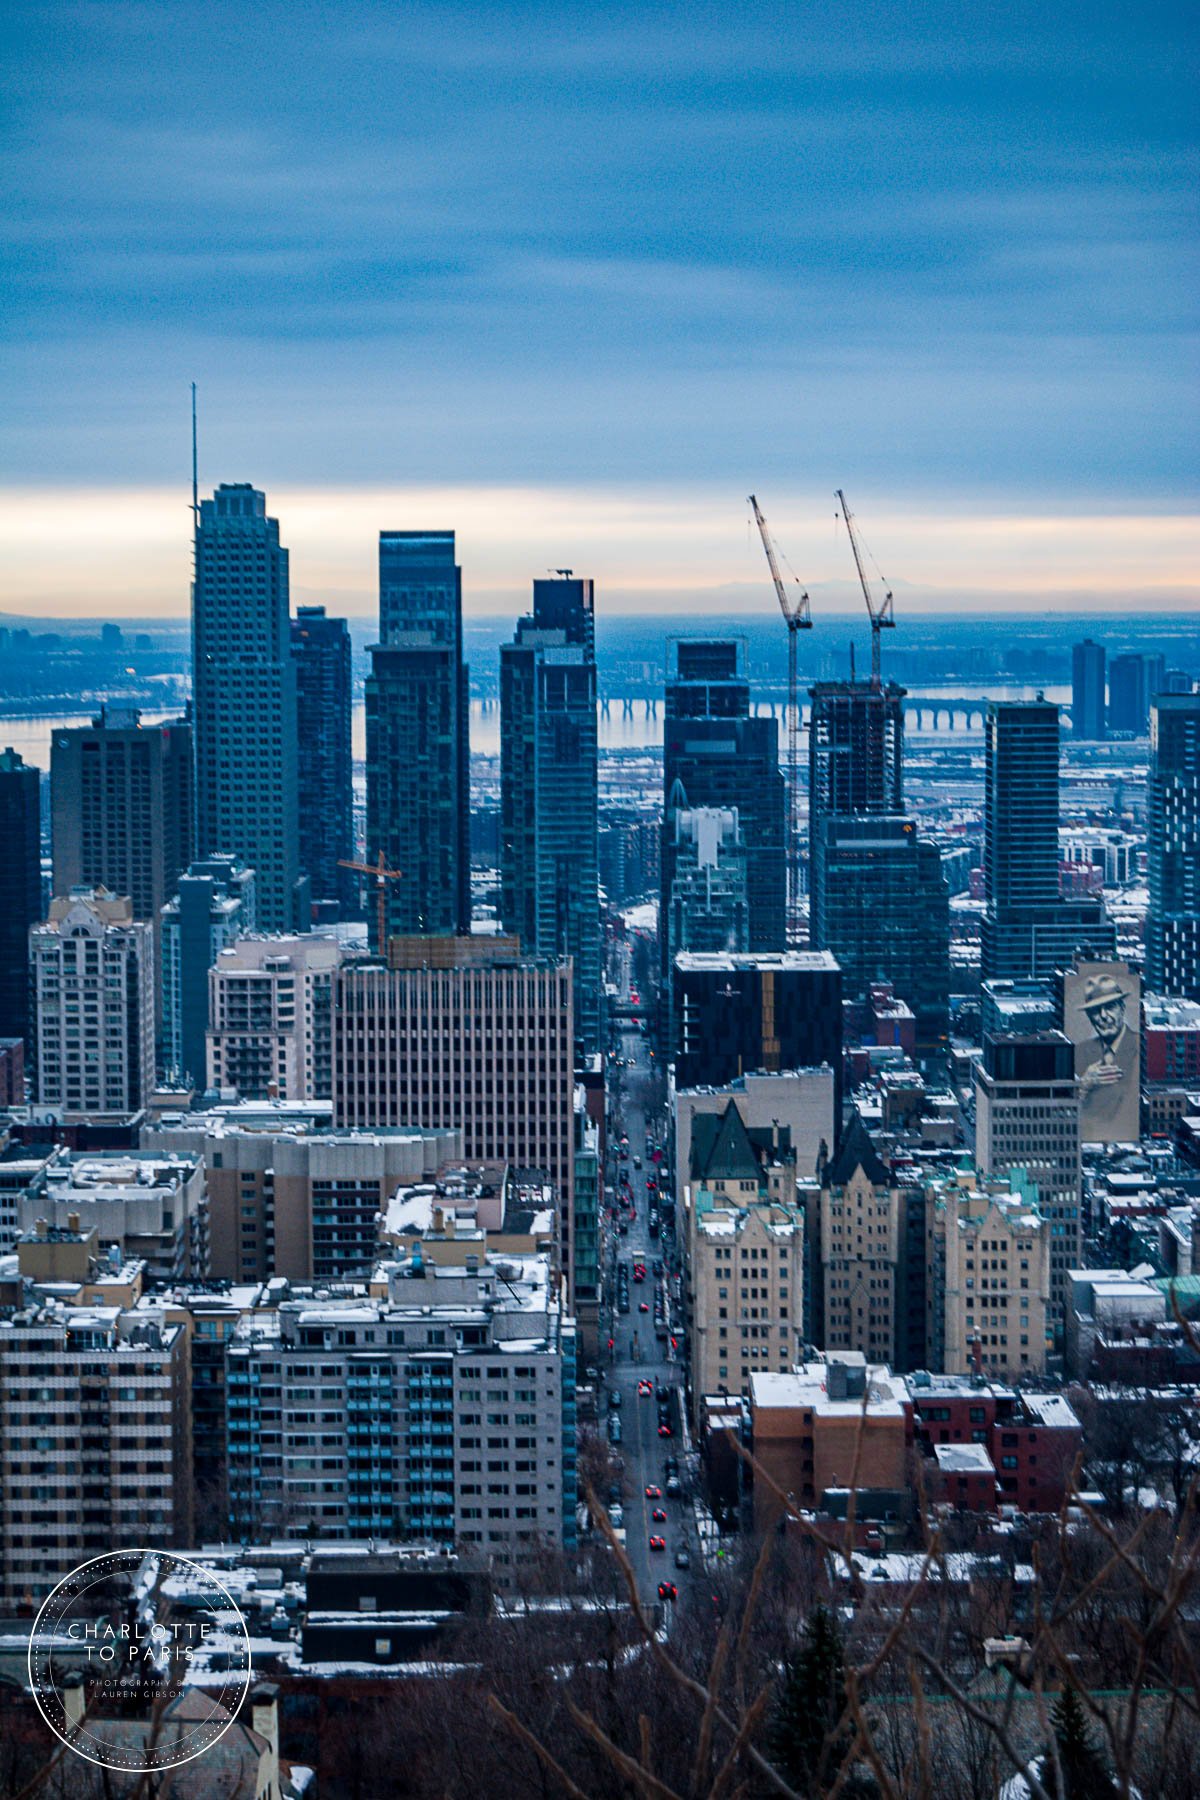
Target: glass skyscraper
[20,889]
[326,768]
[1173,847]
[244,686]
[418,749]
[549,875]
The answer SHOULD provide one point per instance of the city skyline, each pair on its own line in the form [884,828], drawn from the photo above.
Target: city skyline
[953,269]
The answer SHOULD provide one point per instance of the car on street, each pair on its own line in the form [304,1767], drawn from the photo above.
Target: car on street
[659,1515]
[663,1430]
[644,1390]
[683,1559]
[658,1543]
[643,1306]
[674,1488]
[614,1398]
[654,1493]
[667,1590]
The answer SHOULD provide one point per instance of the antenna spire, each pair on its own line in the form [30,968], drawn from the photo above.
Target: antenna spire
[195,468]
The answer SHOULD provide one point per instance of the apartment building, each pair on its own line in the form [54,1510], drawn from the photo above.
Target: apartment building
[92,968]
[95,1440]
[743,1242]
[1031,1440]
[444,1412]
[862,1242]
[987,1274]
[799,1100]
[152,1208]
[212,906]
[269,1011]
[467,1034]
[307,1205]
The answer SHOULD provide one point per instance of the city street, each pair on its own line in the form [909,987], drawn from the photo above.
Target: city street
[638,1352]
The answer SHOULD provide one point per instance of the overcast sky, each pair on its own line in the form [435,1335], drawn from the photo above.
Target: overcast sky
[575,279]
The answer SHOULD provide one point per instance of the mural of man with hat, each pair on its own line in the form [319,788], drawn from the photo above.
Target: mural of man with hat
[1108,1062]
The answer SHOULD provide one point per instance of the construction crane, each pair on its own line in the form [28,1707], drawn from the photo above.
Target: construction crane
[382,873]
[882,617]
[797,617]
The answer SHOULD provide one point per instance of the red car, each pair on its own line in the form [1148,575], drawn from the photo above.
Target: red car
[667,1590]
[643,1306]
[658,1543]
[644,1390]
[654,1493]
[664,1431]
[659,1516]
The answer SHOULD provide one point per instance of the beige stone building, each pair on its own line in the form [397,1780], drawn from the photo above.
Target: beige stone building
[859,1271]
[743,1238]
[987,1275]
[95,1439]
[799,1099]
[269,1018]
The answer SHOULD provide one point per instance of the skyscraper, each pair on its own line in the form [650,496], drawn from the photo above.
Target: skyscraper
[1028,931]
[1133,681]
[213,905]
[1087,690]
[321,647]
[20,888]
[93,977]
[1173,847]
[418,754]
[549,877]
[244,684]
[121,807]
[740,1014]
[716,755]
[878,898]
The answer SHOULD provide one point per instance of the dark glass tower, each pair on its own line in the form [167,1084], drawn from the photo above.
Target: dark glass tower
[244,685]
[549,876]
[715,754]
[1087,691]
[1173,847]
[20,889]
[1028,931]
[418,751]
[878,898]
[1133,681]
[321,647]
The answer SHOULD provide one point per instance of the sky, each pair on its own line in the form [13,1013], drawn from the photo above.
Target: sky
[575,280]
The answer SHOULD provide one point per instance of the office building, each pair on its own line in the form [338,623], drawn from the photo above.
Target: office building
[20,889]
[549,872]
[418,755]
[743,1244]
[1087,691]
[1028,931]
[213,905]
[1027,1113]
[151,1207]
[1133,682]
[879,900]
[465,1033]
[1173,847]
[121,808]
[445,1411]
[269,1010]
[716,755]
[92,968]
[988,1276]
[630,851]
[325,769]
[742,1013]
[244,702]
[101,1456]
[709,907]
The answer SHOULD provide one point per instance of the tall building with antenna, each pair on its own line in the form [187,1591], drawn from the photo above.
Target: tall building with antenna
[244,688]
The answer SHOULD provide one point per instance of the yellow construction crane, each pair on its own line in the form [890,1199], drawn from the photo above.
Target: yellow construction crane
[382,873]
[881,616]
[797,616]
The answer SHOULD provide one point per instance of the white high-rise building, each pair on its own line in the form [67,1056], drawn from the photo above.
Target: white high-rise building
[269,1029]
[92,965]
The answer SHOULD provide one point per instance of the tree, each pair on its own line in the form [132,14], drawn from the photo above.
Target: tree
[809,1740]
[1082,1773]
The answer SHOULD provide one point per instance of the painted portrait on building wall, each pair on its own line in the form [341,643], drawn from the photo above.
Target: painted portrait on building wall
[1102,1017]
